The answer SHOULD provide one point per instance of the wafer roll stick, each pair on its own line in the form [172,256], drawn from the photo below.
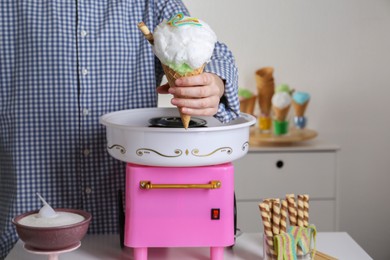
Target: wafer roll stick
[292,210]
[300,210]
[265,210]
[306,210]
[300,219]
[145,31]
[276,217]
[283,216]
[269,203]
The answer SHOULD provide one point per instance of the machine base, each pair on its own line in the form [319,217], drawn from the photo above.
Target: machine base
[141,253]
[179,207]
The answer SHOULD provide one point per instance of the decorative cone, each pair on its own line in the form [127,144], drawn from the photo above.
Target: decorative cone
[300,108]
[281,113]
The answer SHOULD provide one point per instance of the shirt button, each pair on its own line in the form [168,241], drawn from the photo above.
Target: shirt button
[85,112]
[84,72]
[86,152]
[83,33]
[88,190]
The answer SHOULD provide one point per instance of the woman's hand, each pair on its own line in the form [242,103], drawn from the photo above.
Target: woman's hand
[196,95]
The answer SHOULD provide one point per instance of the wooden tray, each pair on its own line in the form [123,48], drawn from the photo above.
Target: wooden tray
[293,136]
[322,256]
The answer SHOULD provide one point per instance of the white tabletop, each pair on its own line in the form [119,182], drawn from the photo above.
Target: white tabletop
[248,246]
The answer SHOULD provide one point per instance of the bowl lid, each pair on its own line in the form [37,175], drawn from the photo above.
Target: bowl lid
[138,120]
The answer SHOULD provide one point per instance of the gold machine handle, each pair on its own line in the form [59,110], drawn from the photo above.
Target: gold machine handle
[147,185]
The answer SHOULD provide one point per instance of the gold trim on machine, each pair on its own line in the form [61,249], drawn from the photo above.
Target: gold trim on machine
[228,150]
[119,147]
[147,185]
[178,152]
[143,151]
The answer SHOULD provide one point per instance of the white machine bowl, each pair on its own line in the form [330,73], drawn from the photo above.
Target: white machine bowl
[131,139]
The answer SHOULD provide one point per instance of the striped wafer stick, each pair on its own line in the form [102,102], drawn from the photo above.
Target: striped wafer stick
[283,217]
[292,210]
[273,201]
[306,210]
[300,210]
[270,202]
[264,210]
[276,217]
[265,216]
[145,30]
[301,218]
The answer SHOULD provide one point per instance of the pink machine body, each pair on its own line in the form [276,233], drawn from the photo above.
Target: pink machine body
[173,211]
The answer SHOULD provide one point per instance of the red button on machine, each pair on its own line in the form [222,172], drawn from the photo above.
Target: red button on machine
[214,214]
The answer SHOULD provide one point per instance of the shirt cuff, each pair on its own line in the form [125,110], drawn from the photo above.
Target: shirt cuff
[222,64]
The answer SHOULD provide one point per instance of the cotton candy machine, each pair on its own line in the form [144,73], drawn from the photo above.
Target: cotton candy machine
[179,182]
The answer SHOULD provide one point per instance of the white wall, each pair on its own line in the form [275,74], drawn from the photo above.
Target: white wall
[339,51]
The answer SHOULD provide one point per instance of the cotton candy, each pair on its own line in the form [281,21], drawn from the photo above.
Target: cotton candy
[187,46]
[61,219]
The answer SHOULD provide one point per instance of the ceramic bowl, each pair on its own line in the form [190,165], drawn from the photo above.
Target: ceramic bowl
[52,238]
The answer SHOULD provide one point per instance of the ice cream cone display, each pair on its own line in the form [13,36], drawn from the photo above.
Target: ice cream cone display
[300,100]
[281,102]
[281,239]
[184,45]
[274,118]
[265,91]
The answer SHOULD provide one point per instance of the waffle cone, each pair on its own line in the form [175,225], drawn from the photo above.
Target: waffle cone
[171,77]
[300,108]
[248,105]
[265,89]
[281,113]
[265,98]
[265,73]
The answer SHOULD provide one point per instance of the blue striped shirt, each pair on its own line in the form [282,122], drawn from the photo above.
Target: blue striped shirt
[63,64]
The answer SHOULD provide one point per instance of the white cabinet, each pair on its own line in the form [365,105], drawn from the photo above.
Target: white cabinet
[273,172]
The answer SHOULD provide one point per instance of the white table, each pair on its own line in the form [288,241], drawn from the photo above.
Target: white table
[248,246]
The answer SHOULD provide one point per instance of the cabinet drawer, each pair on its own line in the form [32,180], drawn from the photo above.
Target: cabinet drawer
[321,214]
[266,175]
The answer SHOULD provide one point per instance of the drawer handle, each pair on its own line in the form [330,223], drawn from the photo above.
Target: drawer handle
[279,164]
[147,185]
